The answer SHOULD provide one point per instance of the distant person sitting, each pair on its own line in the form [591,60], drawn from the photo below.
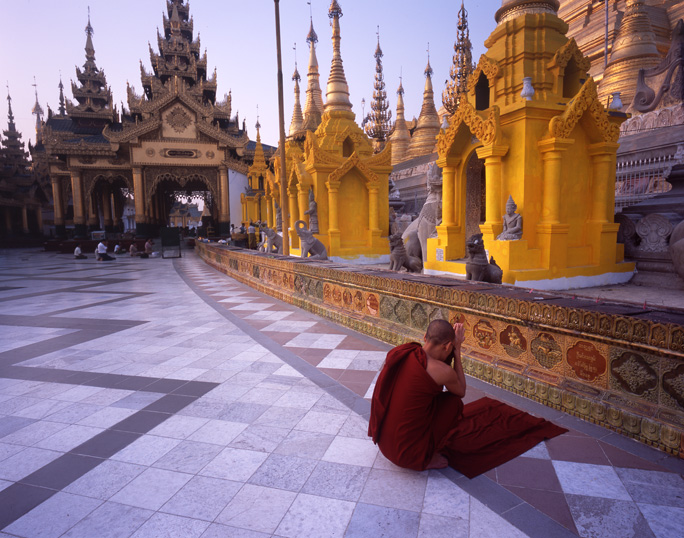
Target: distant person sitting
[78,254]
[118,249]
[133,251]
[149,249]
[102,255]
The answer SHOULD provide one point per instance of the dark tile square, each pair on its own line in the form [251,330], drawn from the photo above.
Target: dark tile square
[171,403]
[11,424]
[576,449]
[332,372]
[106,444]
[195,388]
[621,458]
[528,473]
[136,383]
[19,499]
[550,503]
[357,376]
[165,386]
[61,472]
[108,381]
[141,422]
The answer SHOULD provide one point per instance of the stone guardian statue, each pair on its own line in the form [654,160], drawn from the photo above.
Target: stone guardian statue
[512,223]
[312,212]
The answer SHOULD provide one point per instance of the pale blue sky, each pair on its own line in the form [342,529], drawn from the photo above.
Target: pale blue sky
[42,38]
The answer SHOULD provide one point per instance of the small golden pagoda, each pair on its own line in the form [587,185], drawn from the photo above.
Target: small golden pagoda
[533,116]
[423,140]
[254,204]
[349,182]
[400,135]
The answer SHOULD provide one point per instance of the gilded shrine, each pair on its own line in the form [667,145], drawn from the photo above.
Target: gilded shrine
[553,150]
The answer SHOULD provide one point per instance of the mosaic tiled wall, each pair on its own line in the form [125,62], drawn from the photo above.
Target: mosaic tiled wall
[621,372]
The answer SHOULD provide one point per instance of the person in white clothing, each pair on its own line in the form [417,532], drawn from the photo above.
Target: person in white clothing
[102,255]
[78,254]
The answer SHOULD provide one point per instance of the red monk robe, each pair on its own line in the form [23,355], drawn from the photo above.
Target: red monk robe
[421,417]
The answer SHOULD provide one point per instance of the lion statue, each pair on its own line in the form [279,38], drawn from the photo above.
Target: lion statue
[311,246]
[399,258]
[477,266]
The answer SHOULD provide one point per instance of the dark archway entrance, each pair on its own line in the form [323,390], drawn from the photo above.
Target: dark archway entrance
[476,195]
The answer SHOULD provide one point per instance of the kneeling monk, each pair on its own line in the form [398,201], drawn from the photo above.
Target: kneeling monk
[411,416]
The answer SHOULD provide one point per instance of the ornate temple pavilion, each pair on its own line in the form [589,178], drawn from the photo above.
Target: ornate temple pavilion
[176,138]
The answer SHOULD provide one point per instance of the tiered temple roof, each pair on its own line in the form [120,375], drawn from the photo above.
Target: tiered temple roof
[377,123]
[462,65]
[13,157]
[92,93]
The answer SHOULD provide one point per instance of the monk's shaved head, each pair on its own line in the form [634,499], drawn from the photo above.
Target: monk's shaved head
[440,331]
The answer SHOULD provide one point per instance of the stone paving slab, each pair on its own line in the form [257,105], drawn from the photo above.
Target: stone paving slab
[192,405]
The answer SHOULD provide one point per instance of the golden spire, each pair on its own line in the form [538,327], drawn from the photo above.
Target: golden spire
[297,119]
[337,94]
[259,157]
[62,106]
[634,48]
[462,65]
[400,136]
[424,138]
[313,108]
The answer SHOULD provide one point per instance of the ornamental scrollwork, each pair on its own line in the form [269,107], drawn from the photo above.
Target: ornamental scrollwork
[353,162]
[485,65]
[487,131]
[567,52]
[586,101]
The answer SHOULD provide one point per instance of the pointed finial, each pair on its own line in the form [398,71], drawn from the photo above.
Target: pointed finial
[311,38]
[62,107]
[10,115]
[37,109]
[378,50]
[428,69]
[89,28]
[400,90]
[334,11]
[258,125]
[295,75]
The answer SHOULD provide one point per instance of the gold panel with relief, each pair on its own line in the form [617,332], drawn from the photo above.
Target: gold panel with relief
[547,351]
[587,361]
[634,373]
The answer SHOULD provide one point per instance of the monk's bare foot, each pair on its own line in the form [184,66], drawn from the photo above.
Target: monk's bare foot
[438,462]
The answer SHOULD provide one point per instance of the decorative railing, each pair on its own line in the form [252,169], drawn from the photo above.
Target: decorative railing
[639,179]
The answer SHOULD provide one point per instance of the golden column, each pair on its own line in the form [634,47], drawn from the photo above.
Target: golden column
[79,207]
[24,220]
[333,219]
[93,220]
[139,198]
[294,216]
[106,208]
[303,201]
[552,154]
[58,203]
[373,224]
[603,181]
[451,232]
[224,209]
[492,160]
[269,211]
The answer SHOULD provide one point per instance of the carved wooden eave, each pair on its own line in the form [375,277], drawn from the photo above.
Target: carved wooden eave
[236,165]
[131,131]
[236,142]
[486,129]
[586,102]
[485,65]
[569,51]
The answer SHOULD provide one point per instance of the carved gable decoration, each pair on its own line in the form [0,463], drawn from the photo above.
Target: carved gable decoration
[353,162]
[487,131]
[585,102]
[487,66]
[178,122]
[567,52]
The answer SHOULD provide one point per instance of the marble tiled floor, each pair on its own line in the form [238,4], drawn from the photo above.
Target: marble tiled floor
[162,398]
